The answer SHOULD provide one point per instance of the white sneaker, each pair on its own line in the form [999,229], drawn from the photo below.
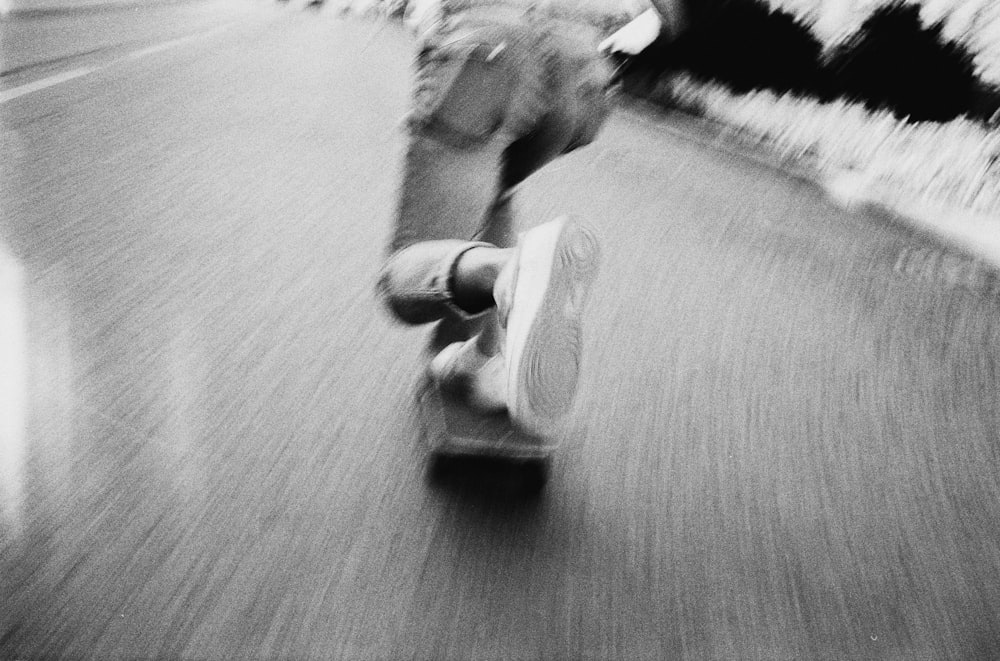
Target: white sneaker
[479,379]
[540,297]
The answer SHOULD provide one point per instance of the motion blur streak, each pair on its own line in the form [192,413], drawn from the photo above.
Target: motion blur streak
[786,445]
[159,48]
[13,393]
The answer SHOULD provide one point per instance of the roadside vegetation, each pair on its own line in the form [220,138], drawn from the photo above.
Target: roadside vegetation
[951,164]
[896,101]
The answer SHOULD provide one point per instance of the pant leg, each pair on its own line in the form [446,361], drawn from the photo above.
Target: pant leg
[451,197]
[575,83]
[415,282]
[493,107]
[582,89]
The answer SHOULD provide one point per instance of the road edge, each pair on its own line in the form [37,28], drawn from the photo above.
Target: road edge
[977,235]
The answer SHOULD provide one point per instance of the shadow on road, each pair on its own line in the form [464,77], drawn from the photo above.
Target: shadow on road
[487,481]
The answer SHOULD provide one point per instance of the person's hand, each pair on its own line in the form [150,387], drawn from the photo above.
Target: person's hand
[421,14]
[635,36]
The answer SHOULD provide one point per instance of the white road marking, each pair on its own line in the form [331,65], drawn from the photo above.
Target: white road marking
[50,81]
[15,92]
[166,45]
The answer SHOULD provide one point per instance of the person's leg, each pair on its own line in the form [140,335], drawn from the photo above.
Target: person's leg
[542,290]
[475,273]
[447,199]
[484,120]
[450,197]
[454,216]
[477,91]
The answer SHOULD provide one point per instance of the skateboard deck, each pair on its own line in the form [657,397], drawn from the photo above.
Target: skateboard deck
[453,429]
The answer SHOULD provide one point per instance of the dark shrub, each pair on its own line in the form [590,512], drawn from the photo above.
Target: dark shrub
[893,62]
[746,45]
[741,43]
[986,104]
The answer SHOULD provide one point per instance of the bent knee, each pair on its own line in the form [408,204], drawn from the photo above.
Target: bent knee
[398,297]
[392,298]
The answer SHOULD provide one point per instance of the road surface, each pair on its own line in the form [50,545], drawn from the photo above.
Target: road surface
[786,445]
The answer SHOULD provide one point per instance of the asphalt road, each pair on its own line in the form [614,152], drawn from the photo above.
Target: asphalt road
[786,445]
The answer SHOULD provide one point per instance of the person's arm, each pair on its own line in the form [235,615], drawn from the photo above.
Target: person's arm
[672,15]
[420,15]
[636,35]
[662,16]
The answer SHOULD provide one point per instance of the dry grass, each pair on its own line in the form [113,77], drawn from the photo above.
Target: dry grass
[953,164]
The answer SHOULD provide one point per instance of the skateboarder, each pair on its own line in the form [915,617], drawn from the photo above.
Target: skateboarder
[502,88]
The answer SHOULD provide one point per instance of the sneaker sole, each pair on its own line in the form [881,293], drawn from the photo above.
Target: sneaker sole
[542,388]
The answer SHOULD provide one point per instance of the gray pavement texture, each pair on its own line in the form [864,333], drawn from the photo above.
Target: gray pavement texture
[33,41]
[786,445]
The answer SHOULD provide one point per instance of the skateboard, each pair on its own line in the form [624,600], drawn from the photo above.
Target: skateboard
[460,438]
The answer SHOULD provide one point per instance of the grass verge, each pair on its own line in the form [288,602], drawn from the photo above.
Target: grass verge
[953,165]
